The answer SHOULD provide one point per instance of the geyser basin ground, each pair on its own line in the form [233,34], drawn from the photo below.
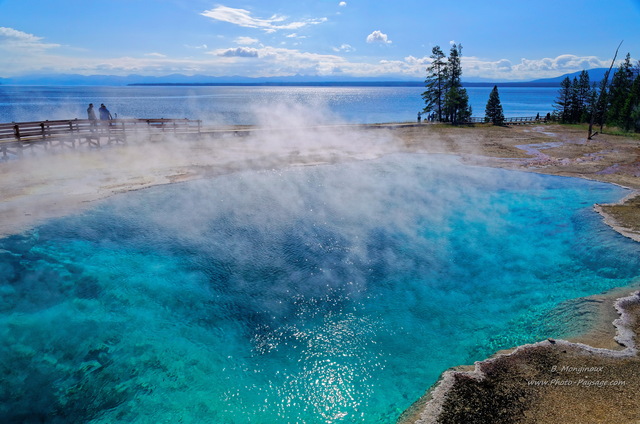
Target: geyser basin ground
[333,293]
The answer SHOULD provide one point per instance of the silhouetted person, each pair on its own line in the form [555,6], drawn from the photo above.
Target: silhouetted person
[91,112]
[104,113]
[419,117]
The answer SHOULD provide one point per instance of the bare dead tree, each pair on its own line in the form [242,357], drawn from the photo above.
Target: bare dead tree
[602,96]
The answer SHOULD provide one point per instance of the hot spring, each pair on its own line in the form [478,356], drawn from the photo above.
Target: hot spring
[321,294]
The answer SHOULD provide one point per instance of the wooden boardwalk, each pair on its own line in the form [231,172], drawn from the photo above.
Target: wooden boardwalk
[522,120]
[16,137]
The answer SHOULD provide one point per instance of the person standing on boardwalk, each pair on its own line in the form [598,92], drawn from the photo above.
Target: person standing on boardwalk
[105,115]
[91,112]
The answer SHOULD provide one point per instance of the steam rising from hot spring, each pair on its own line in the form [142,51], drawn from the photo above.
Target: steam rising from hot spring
[46,185]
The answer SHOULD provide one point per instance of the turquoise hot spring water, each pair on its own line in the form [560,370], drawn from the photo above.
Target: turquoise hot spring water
[325,294]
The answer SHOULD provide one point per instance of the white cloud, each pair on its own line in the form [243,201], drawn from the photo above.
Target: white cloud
[23,53]
[200,47]
[417,61]
[295,35]
[238,52]
[504,64]
[243,18]
[279,61]
[342,4]
[12,38]
[562,63]
[20,52]
[529,68]
[246,41]
[344,48]
[378,37]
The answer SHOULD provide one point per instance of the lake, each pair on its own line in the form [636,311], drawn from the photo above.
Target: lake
[239,105]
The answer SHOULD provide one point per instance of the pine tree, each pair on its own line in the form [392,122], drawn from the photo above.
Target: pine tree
[457,108]
[602,100]
[634,118]
[592,100]
[445,95]
[631,110]
[620,87]
[454,66]
[493,110]
[562,106]
[584,96]
[575,107]
[435,83]
[575,99]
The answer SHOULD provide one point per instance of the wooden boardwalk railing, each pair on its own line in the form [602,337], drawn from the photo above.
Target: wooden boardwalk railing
[15,137]
[510,121]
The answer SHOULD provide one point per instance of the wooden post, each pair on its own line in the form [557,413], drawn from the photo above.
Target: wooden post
[44,135]
[73,139]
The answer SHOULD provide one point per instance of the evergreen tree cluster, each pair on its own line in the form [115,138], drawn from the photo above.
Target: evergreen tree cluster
[445,98]
[576,99]
[615,104]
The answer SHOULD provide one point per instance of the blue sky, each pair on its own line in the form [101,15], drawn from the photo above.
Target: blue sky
[502,39]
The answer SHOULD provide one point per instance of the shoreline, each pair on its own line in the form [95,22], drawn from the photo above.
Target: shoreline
[611,215]
[461,395]
[49,186]
[567,372]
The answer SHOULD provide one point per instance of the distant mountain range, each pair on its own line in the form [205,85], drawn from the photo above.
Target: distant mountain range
[595,75]
[178,79]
